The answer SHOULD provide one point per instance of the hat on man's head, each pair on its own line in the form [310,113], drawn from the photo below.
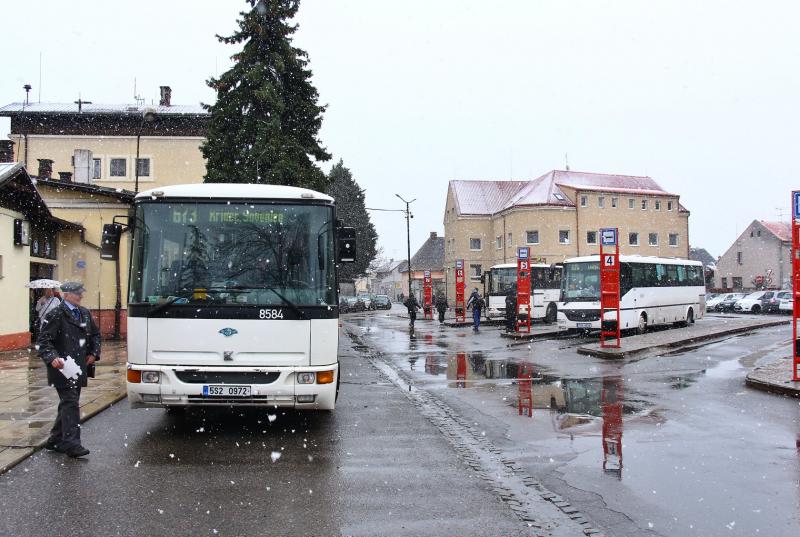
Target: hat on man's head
[76,288]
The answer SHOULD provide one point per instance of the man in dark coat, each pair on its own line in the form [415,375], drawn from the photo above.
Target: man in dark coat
[69,331]
[441,306]
[412,305]
[511,309]
[477,303]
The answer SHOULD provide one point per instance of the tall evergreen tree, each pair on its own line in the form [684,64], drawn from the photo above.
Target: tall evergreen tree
[264,126]
[352,211]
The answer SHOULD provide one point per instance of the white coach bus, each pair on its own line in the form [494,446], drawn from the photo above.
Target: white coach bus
[232,296]
[653,291]
[545,290]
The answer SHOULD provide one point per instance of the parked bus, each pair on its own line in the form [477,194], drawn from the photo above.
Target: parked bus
[653,291]
[232,296]
[545,290]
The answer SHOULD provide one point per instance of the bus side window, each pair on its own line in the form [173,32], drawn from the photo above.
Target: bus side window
[661,276]
[625,278]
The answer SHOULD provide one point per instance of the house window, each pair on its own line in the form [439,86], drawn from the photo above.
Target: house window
[591,237]
[143,167]
[739,257]
[724,283]
[758,232]
[509,240]
[475,272]
[644,205]
[97,167]
[673,239]
[601,201]
[119,167]
[631,203]
[669,205]
[498,241]
[532,237]
[652,239]
[657,205]
[613,202]
[563,236]
[584,201]
[633,239]
[474,244]
[737,282]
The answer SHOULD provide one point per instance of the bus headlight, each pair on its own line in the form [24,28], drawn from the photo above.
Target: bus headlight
[150,377]
[306,378]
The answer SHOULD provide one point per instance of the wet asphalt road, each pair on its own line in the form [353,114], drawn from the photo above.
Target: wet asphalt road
[373,467]
[671,445]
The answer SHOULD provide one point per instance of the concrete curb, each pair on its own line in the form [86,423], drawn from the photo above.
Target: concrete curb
[524,336]
[13,456]
[616,354]
[774,377]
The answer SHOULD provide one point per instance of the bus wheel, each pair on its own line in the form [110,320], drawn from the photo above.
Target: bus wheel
[641,328]
[551,314]
[690,317]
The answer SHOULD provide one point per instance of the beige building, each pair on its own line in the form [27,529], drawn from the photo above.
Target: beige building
[84,156]
[558,216]
[761,258]
[32,243]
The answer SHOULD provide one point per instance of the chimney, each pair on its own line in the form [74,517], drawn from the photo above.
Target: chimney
[65,177]
[45,168]
[166,96]
[6,151]
[433,234]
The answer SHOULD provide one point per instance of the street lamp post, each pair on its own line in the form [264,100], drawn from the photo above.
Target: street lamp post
[408,236]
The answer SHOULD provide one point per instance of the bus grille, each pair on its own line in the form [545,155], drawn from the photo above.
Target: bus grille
[582,315]
[258,400]
[227,377]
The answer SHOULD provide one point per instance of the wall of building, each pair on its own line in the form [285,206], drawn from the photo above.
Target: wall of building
[173,160]
[761,252]
[15,270]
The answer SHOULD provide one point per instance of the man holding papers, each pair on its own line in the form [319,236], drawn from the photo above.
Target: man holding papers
[69,343]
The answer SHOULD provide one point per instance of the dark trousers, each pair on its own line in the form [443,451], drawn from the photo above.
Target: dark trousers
[476,318]
[441,316]
[510,324]
[412,314]
[66,431]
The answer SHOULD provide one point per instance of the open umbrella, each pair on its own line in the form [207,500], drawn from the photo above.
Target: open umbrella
[43,284]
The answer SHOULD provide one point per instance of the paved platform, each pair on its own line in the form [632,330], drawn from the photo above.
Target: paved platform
[775,377]
[538,331]
[28,405]
[702,330]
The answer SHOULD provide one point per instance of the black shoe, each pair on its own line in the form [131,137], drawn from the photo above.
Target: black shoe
[53,446]
[76,452]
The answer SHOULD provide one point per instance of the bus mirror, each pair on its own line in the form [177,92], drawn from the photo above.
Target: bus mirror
[109,247]
[347,245]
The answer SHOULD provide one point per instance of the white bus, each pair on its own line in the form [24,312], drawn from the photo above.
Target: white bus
[545,290]
[653,291]
[232,296]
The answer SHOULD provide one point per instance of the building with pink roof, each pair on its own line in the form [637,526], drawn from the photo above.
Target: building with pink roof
[760,258]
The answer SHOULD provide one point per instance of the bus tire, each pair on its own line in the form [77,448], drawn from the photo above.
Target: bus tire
[690,317]
[552,313]
[641,328]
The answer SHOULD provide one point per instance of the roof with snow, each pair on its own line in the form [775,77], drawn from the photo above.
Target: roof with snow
[782,230]
[430,256]
[702,255]
[116,109]
[490,197]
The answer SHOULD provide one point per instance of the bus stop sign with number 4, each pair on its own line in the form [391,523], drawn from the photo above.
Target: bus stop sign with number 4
[609,260]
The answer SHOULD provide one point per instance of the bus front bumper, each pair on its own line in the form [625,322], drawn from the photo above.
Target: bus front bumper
[179,386]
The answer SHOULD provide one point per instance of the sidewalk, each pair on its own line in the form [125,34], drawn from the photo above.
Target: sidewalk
[28,405]
[775,377]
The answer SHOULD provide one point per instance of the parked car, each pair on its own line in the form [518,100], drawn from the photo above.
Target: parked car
[713,300]
[774,305]
[757,302]
[343,307]
[367,300]
[728,302]
[786,305]
[382,302]
[354,303]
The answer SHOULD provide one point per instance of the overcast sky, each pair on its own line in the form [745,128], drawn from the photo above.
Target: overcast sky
[701,96]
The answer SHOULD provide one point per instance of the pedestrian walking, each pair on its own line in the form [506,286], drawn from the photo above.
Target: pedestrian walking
[69,331]
[412,305]
[477,304]
[511,309]
[441,306]
[46,303]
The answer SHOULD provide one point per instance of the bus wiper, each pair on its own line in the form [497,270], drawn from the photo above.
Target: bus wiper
[286,301]
[183,294]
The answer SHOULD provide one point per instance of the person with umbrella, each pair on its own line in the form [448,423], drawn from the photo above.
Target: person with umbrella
[46,303]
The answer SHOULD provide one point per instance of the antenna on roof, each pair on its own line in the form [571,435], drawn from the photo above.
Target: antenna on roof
[566,161]
[136,97]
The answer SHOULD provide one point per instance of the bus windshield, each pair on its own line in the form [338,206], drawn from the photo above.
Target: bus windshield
[233,253]
[502,280]
[581,282]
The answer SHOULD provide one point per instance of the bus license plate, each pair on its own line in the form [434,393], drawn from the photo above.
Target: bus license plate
[584,325]
[226,390]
